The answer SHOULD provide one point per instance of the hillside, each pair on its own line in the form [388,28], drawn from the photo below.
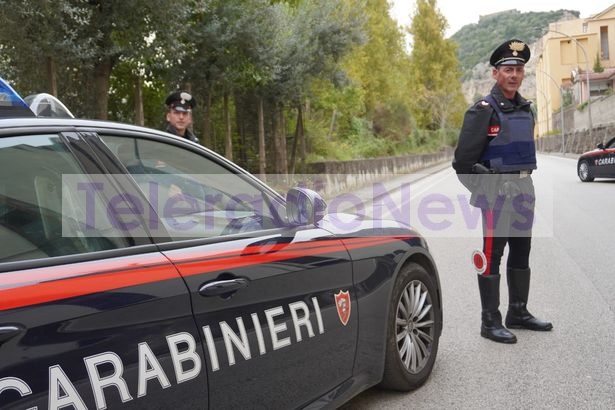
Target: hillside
[477,41]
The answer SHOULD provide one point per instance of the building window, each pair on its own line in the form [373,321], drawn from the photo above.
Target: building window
[585,27]
[604,43]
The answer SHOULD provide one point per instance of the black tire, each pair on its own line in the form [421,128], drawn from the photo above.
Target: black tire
[409,361]
[584,172]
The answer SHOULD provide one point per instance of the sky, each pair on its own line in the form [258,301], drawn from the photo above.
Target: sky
[458,13]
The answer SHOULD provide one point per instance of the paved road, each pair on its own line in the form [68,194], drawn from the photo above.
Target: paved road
[573,285]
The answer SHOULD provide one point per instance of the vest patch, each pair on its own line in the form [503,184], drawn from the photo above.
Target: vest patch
[493,130]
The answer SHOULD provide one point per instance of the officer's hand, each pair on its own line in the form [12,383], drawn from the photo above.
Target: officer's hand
[509,189]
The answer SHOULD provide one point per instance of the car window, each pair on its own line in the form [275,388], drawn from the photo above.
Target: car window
[611,144]
[40,215]
[194,196]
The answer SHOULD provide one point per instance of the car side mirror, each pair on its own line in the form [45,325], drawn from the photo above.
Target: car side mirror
[600,146]
[304,207]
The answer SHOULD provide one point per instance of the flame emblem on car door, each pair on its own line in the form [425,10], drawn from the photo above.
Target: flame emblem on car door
[342,302]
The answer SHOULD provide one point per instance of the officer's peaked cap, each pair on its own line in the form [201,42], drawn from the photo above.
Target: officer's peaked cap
[180,101]
[511,52]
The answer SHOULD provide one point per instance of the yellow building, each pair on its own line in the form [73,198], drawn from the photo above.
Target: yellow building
[567,54]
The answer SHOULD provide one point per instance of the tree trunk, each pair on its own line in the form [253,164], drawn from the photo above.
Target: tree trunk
[262,162]
[52,78]
[102,73]
[293,150]
[282,158]
[228,146]
[298,141]
[301,137]
[332,125]
[139,115]
[207,122]
[240,130]
[274,137]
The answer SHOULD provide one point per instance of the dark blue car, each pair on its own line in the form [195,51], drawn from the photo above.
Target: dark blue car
[598,163]
[141,270]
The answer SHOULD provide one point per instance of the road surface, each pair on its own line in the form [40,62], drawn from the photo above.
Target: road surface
[573,285]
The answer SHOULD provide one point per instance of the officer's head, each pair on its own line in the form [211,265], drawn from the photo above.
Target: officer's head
[508,61]
[179,110]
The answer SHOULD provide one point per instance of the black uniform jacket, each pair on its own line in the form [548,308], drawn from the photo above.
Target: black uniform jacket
[189,135]
[480,125]
[475,133]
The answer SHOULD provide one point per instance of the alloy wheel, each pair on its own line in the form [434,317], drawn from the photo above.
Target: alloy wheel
[415,326]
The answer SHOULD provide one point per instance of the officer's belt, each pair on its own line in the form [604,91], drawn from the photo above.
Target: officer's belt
[522,174]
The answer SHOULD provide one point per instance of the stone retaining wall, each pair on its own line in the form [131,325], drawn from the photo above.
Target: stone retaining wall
[344,176]
[576,142]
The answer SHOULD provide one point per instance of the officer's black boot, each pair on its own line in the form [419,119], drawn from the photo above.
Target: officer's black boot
[518,290]
[491,327]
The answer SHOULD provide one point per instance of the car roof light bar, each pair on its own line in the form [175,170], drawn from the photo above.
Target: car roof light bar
[46,105]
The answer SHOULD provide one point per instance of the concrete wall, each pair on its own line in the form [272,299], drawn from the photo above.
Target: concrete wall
[602,110]
[576,138]
[344,176]
[603,113]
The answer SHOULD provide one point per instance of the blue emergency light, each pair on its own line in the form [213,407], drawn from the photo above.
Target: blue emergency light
[11,104]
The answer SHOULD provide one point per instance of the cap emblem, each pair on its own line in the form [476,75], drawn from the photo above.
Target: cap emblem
[516,47]
[185,97]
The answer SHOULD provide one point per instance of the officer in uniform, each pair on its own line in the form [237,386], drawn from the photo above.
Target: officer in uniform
[494,158]
[179,114]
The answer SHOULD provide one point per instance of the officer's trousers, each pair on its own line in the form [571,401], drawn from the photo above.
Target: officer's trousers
[501,227]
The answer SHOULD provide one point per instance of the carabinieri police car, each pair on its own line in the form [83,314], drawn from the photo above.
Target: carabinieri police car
[598,163]
[141,270]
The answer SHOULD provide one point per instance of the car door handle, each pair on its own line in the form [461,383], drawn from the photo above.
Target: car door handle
[9,331]
[221,287]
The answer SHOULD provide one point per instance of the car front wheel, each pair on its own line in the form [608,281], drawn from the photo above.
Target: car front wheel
[585,174]
[412,331]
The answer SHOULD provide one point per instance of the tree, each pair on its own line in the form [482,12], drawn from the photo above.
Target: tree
[29,42]
[380,67]
[90,37]
[434,70]
[264,72]
[598,68]
[321,35]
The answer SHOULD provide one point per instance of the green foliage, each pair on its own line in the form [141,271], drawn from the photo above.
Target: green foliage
[122,97]
[84,40]
[598,68]
[477,41]
[582,106]
[381,65]
[342,63]
[552,132]
[568,97]
[436,87]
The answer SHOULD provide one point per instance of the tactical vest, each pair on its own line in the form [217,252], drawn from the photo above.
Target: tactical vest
[513,148]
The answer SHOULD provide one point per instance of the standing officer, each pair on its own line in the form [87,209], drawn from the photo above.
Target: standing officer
[179,114]
[494,158]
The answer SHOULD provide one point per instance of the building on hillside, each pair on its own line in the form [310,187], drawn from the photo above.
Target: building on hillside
[567,55]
